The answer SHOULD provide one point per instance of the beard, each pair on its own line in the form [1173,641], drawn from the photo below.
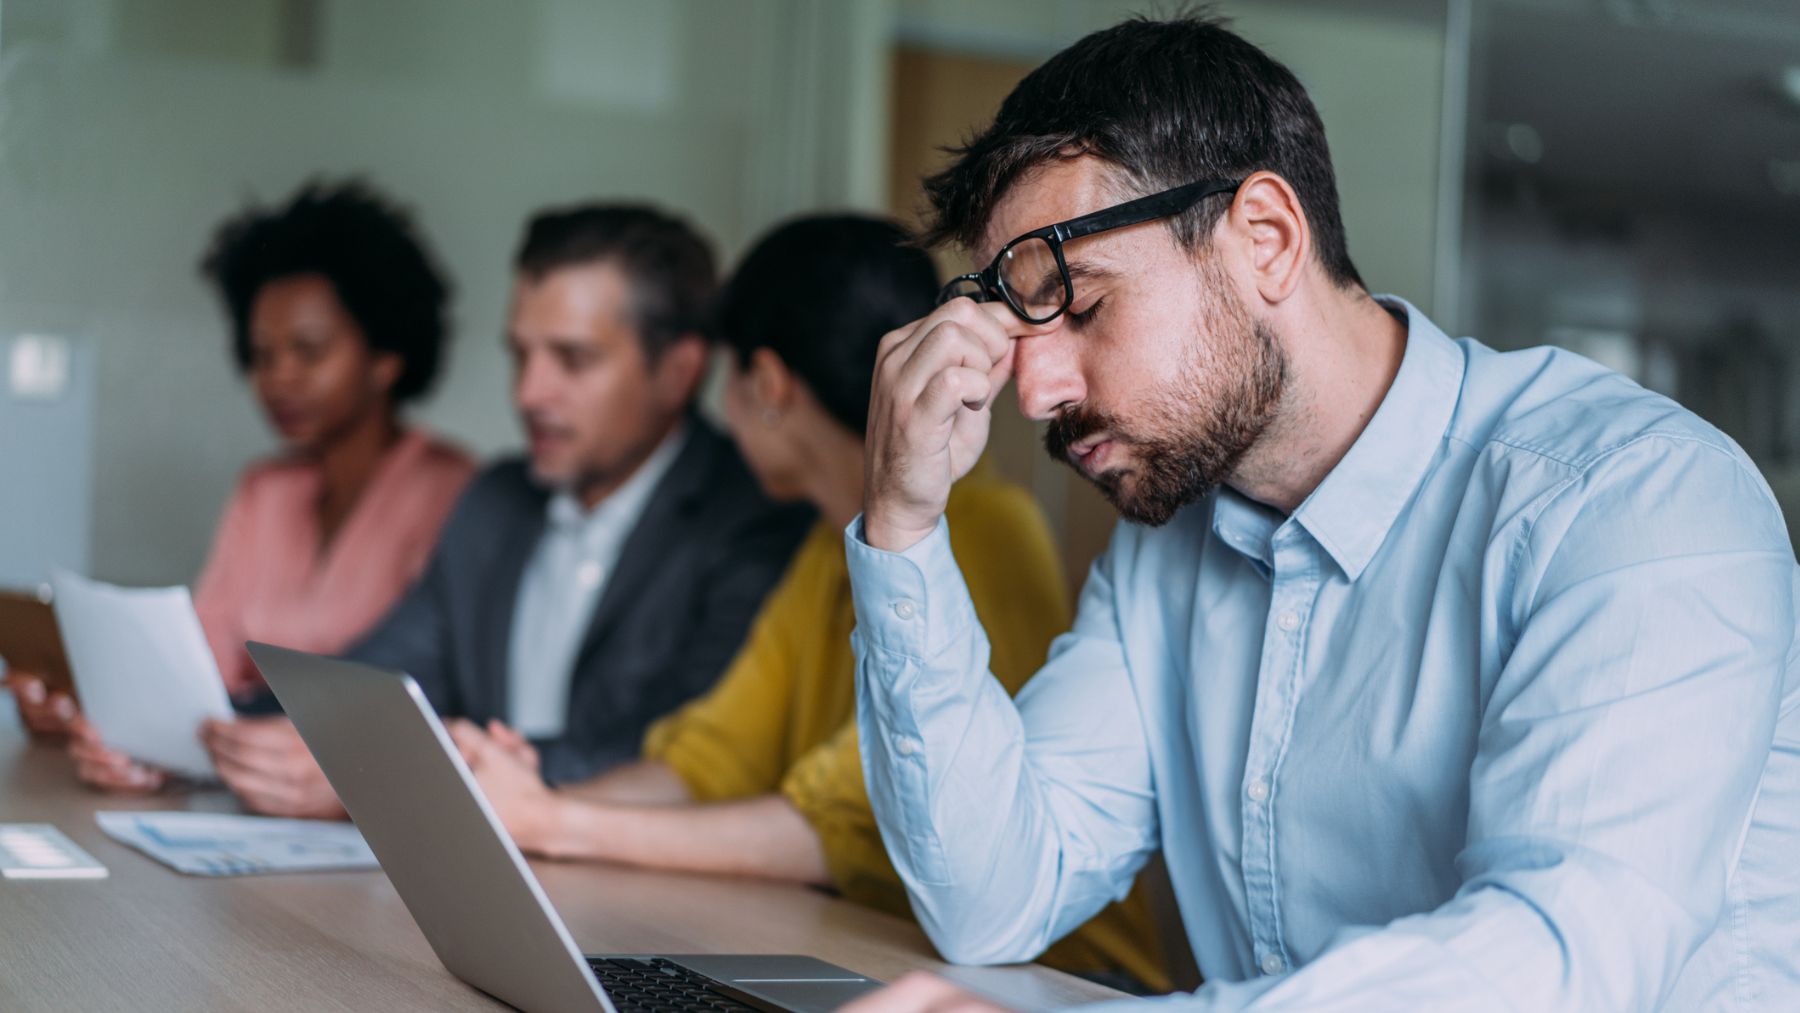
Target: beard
[1190,434]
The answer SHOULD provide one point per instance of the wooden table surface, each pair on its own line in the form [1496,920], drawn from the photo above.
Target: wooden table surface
[149,938]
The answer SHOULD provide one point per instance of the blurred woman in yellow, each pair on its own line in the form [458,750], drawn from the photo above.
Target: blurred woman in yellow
[762,776]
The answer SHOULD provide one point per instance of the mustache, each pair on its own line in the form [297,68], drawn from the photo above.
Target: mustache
[542,420]
[1074,424]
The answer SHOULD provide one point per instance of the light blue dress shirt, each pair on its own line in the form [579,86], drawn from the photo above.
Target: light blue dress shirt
[1505,716]
[561,586]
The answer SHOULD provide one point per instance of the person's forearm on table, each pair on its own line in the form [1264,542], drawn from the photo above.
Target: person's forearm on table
[763,836]
[641,782]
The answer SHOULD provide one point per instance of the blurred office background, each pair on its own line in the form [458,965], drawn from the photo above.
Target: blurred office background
[1621,177]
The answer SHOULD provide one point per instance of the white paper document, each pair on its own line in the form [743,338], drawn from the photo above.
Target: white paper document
[143,669]
[222,844]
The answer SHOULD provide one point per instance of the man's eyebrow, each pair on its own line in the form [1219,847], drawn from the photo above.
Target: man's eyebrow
[1079,270]
[1089,270]
[1049,282]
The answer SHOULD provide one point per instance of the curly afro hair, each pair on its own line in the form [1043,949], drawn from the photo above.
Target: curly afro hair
[365,246]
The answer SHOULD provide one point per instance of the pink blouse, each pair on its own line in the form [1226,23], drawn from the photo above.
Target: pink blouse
[269,576]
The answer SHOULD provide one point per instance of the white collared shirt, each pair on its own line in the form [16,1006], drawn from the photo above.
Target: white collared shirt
[561,587]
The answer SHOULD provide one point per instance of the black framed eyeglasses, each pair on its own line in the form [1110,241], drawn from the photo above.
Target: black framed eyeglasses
[1030,275]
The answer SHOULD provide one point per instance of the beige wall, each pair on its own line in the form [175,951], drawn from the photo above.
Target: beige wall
[128,127]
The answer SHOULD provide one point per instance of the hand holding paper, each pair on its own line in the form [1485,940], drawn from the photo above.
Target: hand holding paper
[106,768]
[146,676]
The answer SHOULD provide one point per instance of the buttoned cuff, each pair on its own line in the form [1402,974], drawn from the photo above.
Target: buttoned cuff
[913,603]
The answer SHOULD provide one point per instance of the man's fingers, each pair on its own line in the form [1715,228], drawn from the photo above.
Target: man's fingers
[948,344]
[991,321]
[933,381]
[984,334]
[954,388]
[1001,371]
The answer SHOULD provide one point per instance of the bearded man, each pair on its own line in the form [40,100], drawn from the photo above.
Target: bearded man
[1442,678]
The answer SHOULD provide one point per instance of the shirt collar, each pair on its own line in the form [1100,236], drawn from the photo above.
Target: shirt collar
[1247,526]
[566,513]
[1351,512]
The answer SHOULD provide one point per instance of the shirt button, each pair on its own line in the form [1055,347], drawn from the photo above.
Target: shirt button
[1288,621]
[1271,964]
[905,746]
[588,575]
[906,608]
[1258,790]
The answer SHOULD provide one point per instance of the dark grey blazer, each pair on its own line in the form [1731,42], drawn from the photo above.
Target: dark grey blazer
[680,599]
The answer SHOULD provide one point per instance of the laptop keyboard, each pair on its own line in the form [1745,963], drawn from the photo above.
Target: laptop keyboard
[656,985]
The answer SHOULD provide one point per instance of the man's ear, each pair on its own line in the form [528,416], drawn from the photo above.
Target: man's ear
[1271,228]
[680,368]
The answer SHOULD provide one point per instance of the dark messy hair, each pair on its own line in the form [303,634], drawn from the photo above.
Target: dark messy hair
[669,265]
[360,242]
[819,292]
[1165,102]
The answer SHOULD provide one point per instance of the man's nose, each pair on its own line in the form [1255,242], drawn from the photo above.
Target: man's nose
[1047,372]
[533,384]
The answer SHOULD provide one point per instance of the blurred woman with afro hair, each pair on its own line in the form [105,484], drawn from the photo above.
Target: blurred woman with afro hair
[337,314]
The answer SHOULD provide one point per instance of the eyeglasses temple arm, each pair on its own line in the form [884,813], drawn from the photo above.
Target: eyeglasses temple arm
[1157,205]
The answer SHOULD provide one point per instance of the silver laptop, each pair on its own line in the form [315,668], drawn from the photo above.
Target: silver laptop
[466,885]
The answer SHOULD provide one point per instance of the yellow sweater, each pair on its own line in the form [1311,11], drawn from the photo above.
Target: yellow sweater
[783,716]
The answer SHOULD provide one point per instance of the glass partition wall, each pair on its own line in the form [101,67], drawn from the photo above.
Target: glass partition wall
[1633,193]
